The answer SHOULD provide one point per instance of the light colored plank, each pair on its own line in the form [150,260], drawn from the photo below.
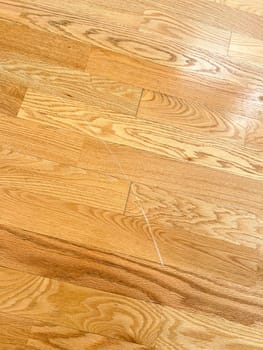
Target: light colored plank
[80,308]
[80,224]
[69,184]
[72,84]
[213,13]
[40,140]
[51,337]
[178,28]
[146,135]
[254,7]
[246,49]
[127,276]
[198,215]
[45,46]
[189,115]
[146,167]
[230,93]
[187,330]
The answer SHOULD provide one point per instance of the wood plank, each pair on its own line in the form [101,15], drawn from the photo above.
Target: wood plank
[73,84]
[145,167]
[213,13]
[198,215]
[180,28]
[84,309]
[246,49]
[20,333]
[40,140]
[70,184]
[44,46]
[232,92]
[11,96]
[127,235]
[184,330]
[145,135]
[127,276]
[254,7]
[76,223]
[192,116]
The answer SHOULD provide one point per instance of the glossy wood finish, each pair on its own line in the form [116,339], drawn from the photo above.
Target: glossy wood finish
[131,175]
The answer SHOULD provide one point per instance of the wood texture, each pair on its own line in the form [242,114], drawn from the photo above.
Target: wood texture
[131,175]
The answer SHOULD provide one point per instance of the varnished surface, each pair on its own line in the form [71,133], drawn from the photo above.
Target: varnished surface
[131,175]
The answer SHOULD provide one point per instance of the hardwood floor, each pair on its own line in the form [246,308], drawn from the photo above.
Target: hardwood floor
[131,175]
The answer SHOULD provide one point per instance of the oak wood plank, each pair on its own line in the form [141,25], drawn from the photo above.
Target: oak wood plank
[70,83]
[185,213]
[236,96]
[50,48]
[183,330]
[80,224]
[80,308]
[254,7]
[145,135]
[127,276]
[70,184]
[189,115]
[40,140]
[145,167]
[192,33]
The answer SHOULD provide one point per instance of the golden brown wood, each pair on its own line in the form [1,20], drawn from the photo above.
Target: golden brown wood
[72,185]
[11,96]
[45,46]
[163,140]
[210,217]
[230,96]
[189,115]
[131,175]
[46,336]
[107,314]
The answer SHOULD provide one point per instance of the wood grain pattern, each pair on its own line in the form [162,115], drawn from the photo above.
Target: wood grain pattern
[72,185]
[214,13]
[189,115]
[131,175]
[186,213]
[144,135]
[231,97]
[145,167]
[14,332]
[69,83]
[40,140]
[80,308]
[254,6]
[184,330]
[46,336]
[182,29]
[45,46]
[128,276]
[246,49]
[11,96]
[76,223]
